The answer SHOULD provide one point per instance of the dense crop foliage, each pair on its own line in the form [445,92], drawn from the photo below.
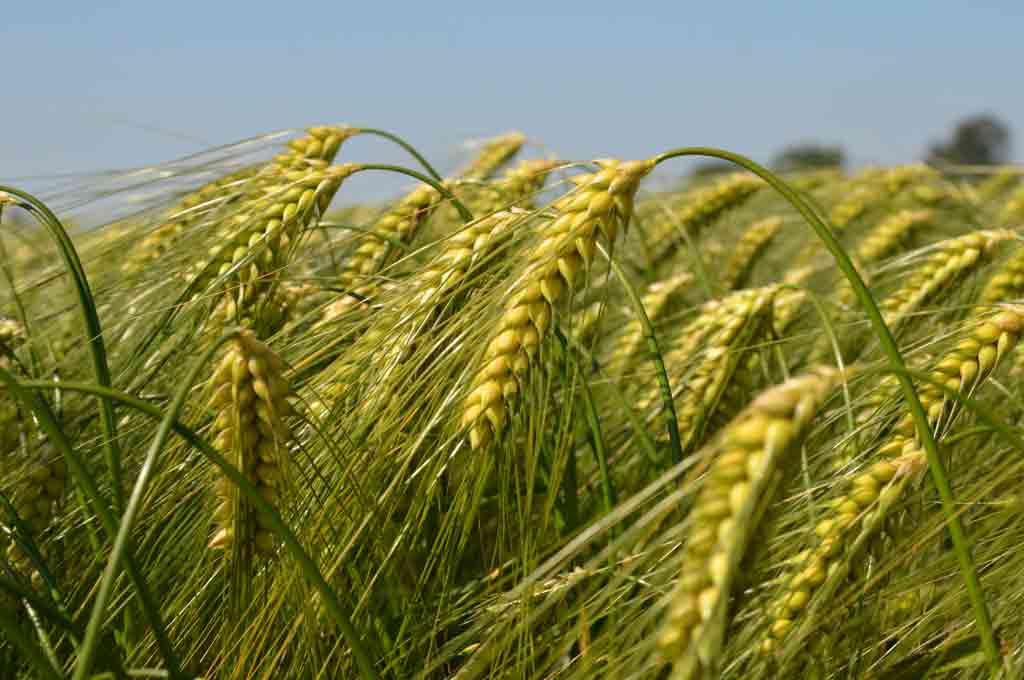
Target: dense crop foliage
[534,419]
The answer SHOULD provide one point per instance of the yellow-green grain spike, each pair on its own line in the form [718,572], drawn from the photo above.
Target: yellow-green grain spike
[875,488]
[746,471]
[250,399]
[754,241]
[601,204]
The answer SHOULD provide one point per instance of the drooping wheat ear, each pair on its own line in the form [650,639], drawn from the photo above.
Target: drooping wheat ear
[1007,283]
[875,488]
[745,320]
[656,300]
[701,207]
[742,480]
[722,320]
[10,425]
[998,183]
[516,188]
[874,189]
[751,245]
[316,150]
[601,204]
[492,156]
[273,227]
[402,222]
[263,236]
[951,260]
[432,287]
[35,496]
[464,249]
[189,211]
[883,241]
[321,143]
[250,398]
[891,233]
[809,180]
[1013,210]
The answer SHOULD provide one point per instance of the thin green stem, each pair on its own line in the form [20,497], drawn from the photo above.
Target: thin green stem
[940,479]
[90,320]
[405,145]
[464,212]
[671,423]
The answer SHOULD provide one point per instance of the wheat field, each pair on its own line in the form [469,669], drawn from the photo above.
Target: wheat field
[532,418]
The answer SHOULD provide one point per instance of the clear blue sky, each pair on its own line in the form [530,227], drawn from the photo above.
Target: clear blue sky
[90,85]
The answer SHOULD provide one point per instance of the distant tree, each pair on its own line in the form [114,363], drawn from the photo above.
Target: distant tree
[978,140]
[711,168]
[809,156]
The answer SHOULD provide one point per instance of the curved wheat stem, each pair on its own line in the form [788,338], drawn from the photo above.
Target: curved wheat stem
[602,203]
[656,300]
[742,479]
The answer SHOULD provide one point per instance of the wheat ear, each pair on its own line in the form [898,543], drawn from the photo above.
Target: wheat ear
[874,489]
[875,188]
[601,204]
[743,320]
[754,241]
[187,213]
[250,399]
[701,207]
[268,235]
[951,260]
[741,481]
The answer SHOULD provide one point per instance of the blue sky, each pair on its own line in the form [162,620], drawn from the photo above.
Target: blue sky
[92,85]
